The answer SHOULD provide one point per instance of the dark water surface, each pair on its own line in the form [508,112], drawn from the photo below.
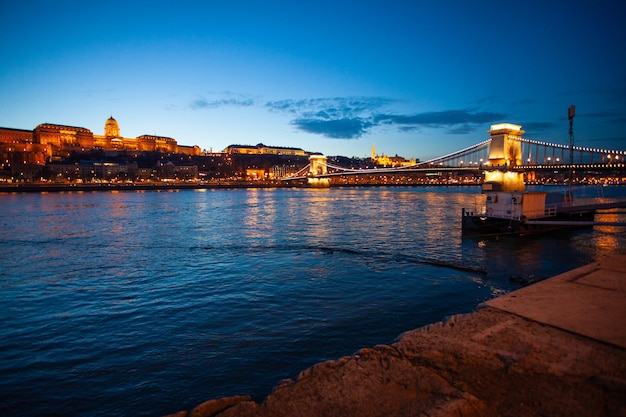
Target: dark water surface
[147,303]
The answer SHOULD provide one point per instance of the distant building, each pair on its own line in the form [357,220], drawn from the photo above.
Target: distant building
[62,139]
[189,150]
[21,151]
[282,171]
[261,149]
[8,135]
[256,174]
[390,161]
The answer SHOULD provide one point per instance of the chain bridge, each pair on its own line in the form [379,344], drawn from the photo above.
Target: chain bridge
[505,149]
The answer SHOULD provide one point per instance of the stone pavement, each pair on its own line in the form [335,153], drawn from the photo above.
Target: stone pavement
[555,348]
[589,301]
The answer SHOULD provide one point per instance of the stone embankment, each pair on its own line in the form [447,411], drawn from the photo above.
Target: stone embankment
[555,348]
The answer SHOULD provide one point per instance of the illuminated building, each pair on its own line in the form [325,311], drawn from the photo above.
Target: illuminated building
[8,135]
[112,139]
[18,150]
[24,152]
[60,140]
[261,149]
[256,174]
[390,161]
[157,143]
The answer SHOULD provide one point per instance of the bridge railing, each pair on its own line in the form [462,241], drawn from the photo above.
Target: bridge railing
[547,211]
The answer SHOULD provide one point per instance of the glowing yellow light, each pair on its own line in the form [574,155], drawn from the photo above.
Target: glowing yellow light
[506,126]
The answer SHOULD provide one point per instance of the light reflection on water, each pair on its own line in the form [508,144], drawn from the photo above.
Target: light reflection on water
[150,302]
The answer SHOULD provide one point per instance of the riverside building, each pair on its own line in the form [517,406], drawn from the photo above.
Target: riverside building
[22,150]
[261,149]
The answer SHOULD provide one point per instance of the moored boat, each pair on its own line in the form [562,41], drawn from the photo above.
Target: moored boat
[507,208]
[525,213]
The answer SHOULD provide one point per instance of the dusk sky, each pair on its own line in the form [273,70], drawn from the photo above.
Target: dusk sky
[416,78]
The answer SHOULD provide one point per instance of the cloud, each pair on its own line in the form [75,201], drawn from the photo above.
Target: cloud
[353,117]
[525,102]
[334,117]
[599,115]
[344,128]
[447,119]
[333,107]
[461,130]
[609,116]
[489,100]
[539,127]
[228,100]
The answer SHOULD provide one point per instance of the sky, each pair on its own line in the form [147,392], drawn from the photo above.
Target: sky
[418,79]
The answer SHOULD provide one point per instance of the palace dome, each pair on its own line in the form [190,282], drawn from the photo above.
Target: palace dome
[111,128]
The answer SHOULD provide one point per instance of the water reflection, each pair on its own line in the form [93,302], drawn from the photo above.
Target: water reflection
[259,216]
[248,286]
[605,239]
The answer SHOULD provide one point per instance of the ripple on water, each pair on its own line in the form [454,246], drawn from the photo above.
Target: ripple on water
[148,303]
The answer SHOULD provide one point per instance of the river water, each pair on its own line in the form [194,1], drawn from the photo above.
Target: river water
[147,303]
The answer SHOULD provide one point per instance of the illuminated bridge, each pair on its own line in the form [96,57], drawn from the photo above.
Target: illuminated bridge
[505,149]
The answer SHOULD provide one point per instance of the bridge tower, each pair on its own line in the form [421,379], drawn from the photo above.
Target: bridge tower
[318,167]
[505,151]
[505,147]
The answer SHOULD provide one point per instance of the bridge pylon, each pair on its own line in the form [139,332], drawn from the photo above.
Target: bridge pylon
[505,150]
[318,167]
[505,147]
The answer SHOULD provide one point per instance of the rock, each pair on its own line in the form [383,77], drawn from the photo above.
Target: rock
[375,382]
[487,363]
[212,407]
[179,414]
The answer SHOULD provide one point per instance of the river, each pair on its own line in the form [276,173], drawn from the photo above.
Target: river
[147,303]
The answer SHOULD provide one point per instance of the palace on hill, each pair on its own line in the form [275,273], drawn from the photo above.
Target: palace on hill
[67,153]
[49,141]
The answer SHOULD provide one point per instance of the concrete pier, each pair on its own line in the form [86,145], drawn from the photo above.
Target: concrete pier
[555,348]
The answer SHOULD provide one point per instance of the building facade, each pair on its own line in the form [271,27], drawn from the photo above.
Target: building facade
[23,152]
[60,139]
[261,149]
[56,139]
[18,150]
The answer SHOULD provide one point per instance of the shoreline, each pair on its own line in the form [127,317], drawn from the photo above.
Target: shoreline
[42,188]
[53,188]
[557,347]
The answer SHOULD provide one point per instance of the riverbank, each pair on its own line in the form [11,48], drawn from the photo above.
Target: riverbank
[557,347]
[39,188]
[43,188]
